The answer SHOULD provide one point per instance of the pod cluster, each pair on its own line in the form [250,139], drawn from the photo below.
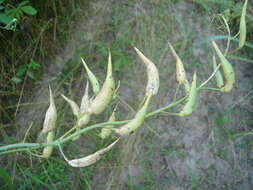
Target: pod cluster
[104,95]
[97,105]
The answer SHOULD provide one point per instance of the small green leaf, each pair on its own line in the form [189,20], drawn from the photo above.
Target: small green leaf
[29,10]
[30,75]
[33,65]
[4,19]
[1,7]
[23,3]
[6,179]
[21,70]
[16,80]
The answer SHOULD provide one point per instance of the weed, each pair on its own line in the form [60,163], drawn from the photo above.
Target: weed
[12,16]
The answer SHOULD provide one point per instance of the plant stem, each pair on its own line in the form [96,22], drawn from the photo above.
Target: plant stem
[21,147]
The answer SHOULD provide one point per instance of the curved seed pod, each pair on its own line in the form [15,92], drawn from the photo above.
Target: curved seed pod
[83,120]
[91,159]
[92,78]
[73,105]
[47,151]
[106,132]
[192,99]
[180,71]
[218,76]
[153,75]
[243,28]
[227,69]
[106,93]
[137,121]
[85,104]
[51,115]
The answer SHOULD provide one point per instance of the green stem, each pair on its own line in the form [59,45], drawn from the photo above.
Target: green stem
[214,89]
[21,147]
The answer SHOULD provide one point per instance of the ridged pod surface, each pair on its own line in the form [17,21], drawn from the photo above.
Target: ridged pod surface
[106,131]
[93,80]
[137,121]
[49,125]
[243,27]
[47,151]
[228,70]
[91,159]
[192,99]
[218,76]
[180,71]
[152,73]
[105,95]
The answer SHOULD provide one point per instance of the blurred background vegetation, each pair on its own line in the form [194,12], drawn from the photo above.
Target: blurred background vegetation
[33,33]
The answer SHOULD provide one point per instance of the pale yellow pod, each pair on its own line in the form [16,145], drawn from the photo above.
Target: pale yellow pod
[92,78]
[218,76]
[228,70]
[85,103]
[180,71]
[152,72]
[106,93]
[73,105]
[137,121]
[106,131]
[47,151]
[91,159]
[83,120]
[243,27]
[192,99]
[51,115]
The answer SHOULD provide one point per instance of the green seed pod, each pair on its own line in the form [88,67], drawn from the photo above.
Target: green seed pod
[218,76]
[243,27]
[152,72]
[106,131]
[92,158]
[137,121]
[106,93]
[228,70]
[51,115]
[180,71]
[73,105]
[192,99]
[83,120]
[92,78]
[47,151]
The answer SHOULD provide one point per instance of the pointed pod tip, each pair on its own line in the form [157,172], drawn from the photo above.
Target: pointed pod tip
[141,55]
[51,98]
[84,64]
[136,49]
